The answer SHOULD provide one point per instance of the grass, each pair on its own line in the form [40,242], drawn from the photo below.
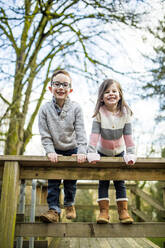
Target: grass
[158,241]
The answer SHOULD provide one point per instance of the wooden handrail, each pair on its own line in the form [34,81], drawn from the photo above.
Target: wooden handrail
[66,161]
[39,167]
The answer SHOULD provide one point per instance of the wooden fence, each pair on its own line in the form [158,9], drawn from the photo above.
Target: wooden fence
[15,168]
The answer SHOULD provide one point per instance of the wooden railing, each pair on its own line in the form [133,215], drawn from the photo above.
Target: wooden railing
[15,168]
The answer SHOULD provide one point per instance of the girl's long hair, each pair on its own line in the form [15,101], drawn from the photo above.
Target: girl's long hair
[121,104]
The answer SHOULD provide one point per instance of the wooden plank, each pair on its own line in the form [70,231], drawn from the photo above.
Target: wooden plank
[122,243]
[65,161]
[9,204]
[1,172]
[54,242]
[122,173]
[113,242]
[84,243]
[103,243]
[74,243]
[145,243]
[140,214]
[152,229]
[64,243]
[132,243]
[20,217]
[146,197]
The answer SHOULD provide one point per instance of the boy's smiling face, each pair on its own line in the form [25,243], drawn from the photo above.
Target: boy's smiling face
[60,87]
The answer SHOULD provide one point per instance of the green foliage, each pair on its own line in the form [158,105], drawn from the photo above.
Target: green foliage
[163,152]
[156,86]
[84,198]
[157,193]
[158,241]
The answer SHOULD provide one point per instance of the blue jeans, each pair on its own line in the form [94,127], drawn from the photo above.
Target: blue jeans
[54,188]
[119,187]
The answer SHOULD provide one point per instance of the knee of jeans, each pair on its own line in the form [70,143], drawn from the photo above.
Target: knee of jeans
[69,184]
[55,183]
[103,183]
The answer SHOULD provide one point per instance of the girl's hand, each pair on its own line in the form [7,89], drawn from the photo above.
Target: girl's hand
[81,158]
[93,157]
[53,157]
[130,159]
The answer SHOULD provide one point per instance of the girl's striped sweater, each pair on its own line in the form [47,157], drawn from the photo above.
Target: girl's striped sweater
[111,133]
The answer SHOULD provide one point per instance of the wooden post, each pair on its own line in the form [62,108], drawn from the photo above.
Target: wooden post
[21,209]
[164,196]
[33,209]
[8,204]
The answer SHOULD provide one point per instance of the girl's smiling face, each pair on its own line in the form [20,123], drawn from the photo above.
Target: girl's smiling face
[111,96]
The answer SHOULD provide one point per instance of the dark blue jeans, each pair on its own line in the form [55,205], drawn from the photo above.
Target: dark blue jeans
[119,187]
[54,188]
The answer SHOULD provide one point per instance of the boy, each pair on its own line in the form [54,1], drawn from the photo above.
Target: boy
[62,132]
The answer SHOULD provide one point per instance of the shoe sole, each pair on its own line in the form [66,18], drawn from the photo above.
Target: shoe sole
[102,221]
[126,221]
[46,220]
[70,218]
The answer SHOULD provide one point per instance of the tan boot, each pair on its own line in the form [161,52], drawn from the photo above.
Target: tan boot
[124,216]
[70,212]
[51,216]
[104,209]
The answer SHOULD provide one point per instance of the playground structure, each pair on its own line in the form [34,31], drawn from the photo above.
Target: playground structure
[16,169]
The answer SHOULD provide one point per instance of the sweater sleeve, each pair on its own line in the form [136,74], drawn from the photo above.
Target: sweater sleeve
[127,134]
[95,134]
[80,131]
[46,138]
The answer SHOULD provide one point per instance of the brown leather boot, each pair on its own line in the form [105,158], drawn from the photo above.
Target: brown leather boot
[70,212]
[104,209]
[124,216]
[51,216]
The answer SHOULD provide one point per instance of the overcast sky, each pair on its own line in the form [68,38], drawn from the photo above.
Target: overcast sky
[126,58]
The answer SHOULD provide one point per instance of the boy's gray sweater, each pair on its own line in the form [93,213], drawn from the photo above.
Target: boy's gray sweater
[65,131]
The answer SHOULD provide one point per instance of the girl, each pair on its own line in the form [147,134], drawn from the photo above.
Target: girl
[110,130]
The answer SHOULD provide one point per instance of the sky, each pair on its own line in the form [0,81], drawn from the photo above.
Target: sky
[144,129]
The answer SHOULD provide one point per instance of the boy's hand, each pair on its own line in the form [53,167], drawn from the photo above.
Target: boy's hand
[93,157]
[130,159]
[53,157]
[81,158]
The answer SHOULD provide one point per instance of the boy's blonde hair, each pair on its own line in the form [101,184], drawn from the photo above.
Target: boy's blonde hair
[55,73]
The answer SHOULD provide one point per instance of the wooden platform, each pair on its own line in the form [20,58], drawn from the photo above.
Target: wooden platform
[16,168]
[102,243]
[91,230]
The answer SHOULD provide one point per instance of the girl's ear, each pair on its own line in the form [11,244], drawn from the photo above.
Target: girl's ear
[50,88]
[71,90]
